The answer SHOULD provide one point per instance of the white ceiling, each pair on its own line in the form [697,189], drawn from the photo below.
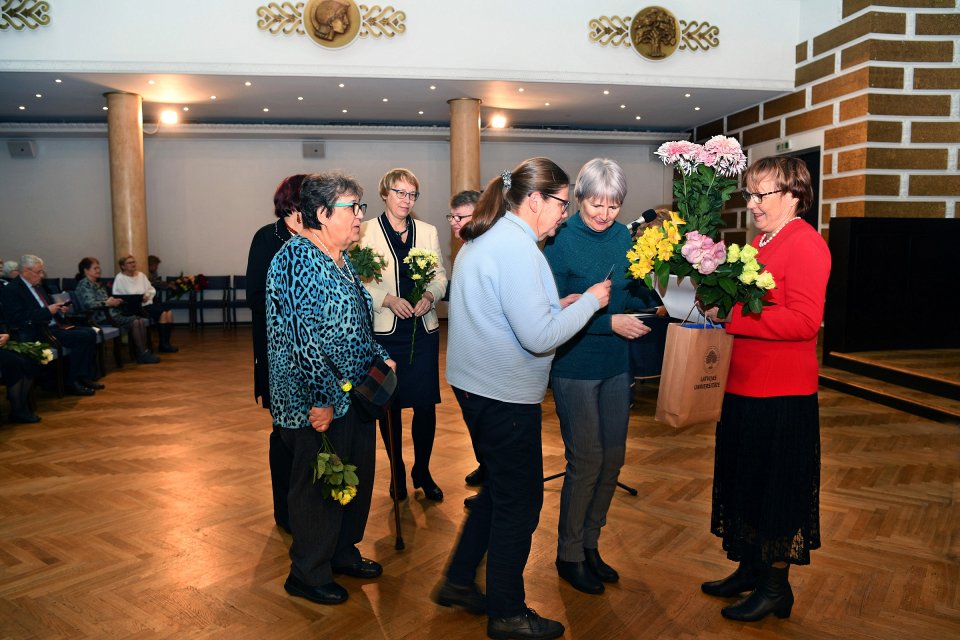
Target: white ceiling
[78,98]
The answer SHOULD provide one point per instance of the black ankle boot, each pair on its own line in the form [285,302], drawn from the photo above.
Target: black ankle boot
[165,330]
[579,576]
[772,595]
[741,580]
[601,569]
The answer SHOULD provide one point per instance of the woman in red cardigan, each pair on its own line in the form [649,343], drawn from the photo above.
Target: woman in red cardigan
[766,483]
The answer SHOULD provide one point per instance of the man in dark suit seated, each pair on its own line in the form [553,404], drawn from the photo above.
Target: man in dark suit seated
[29,310]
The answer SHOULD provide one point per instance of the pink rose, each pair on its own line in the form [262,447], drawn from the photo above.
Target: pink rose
[695,246]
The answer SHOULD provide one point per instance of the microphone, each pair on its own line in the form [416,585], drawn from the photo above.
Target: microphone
[645,218]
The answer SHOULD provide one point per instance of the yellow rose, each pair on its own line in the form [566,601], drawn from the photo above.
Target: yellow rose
[748,253]
[733,253]
[752,265]
[765,281]
[748,277]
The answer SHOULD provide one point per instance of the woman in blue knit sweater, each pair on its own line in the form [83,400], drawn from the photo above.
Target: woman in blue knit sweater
[591,373]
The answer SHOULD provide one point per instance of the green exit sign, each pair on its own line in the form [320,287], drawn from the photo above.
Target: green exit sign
[783,146]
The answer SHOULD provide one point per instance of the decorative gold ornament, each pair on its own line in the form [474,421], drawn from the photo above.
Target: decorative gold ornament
[699,35]
[285,17]
[653,33]
[611,30]
[332,24]
[387,22]
[21,14]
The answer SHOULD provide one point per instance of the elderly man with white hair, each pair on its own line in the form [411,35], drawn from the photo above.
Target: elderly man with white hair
[31,314]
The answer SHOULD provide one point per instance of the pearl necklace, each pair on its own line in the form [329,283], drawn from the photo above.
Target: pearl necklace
[767,237]
[344,273]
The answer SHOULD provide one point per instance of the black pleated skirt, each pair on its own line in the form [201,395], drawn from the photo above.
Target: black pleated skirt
[766,479]
[418,382]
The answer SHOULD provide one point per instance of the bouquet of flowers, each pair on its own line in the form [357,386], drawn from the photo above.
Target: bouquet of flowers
[423,267]
[367,263]
[185,284]
[338,480]
[723,275]
[706,179]
[38,351]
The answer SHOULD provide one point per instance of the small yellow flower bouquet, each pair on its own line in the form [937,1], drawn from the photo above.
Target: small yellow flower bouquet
[338,480]
[423,267]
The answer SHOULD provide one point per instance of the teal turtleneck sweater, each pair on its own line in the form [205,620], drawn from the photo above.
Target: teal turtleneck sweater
[579,258]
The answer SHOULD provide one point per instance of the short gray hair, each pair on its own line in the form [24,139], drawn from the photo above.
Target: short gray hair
[29,261]
[10,266]
[601,178]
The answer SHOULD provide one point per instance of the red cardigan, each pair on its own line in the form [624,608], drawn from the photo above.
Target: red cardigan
[774,354]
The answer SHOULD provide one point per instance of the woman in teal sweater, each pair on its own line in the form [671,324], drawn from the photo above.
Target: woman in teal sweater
[591,373]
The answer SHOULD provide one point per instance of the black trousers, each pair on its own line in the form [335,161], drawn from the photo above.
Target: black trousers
[281,461]
[504,515]
[325,533]
[82,361]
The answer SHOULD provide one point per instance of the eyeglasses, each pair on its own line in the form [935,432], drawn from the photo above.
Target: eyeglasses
[758,197]
[454,218]
[359,208]
[403,195]
[566,203]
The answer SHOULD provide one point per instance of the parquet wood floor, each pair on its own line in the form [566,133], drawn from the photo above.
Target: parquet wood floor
[145,512]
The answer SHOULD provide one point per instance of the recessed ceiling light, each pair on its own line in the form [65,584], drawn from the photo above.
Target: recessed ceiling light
[151,82]
[186,108]
[106,108]
[623,106]
[686,95]
[637,118]
[520,89]
[169,116]
[22,108]
[420,112]
[266,109]
[546,104]
[300,98]
[696,108]
[433,87]
[386,99]
[39,95]
[213,97]
[341,85]
[606,92]
[498,121]
[344,111]
[247,83]
[58,80]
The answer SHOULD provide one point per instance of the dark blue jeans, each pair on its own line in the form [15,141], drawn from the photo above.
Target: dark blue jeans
[504,515]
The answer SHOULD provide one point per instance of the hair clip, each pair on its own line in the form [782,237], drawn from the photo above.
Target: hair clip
[506,175]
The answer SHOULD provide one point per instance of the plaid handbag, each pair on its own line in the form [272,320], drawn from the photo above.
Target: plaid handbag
[370,397]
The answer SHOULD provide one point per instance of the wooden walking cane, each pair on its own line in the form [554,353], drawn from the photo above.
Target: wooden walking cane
[399,546]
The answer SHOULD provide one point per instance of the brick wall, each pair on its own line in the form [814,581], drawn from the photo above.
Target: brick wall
[883,88]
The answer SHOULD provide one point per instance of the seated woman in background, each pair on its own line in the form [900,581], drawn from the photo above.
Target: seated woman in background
[106,309]
[129,282]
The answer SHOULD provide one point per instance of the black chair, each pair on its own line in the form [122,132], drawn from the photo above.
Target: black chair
[52,285]
[215,296]
[105,332]
[238,298]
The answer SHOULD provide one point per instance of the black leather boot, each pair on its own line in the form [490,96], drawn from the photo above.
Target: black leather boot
[601,569]
[743,579]
[579,576]
[165,330]
[772,595]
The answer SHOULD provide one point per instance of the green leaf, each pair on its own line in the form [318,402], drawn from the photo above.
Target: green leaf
[335,479]
[321,467]
[755,306]
[728,286]
[351,478]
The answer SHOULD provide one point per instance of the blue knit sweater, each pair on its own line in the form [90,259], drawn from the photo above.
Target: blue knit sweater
[579,258]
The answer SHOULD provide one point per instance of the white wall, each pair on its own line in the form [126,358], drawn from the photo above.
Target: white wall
[206,197]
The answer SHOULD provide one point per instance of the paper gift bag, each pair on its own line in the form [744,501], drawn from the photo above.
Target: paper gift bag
[694,375]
